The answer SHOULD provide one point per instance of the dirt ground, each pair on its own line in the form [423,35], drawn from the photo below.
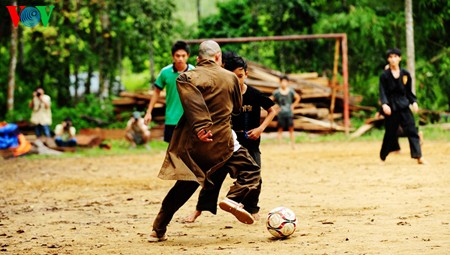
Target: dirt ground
[345,200]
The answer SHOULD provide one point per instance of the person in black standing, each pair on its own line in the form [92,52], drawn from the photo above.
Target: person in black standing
[396,97]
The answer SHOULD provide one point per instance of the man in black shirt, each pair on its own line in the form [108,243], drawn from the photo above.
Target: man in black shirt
[396,96]
[248,128]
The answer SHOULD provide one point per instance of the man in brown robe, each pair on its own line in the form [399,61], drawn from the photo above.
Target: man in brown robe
[203,145]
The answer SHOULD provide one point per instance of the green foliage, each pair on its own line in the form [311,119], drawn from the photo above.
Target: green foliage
[119,39]
[136,81]
[371,27]
[90,108]
[236,18]
[87,36]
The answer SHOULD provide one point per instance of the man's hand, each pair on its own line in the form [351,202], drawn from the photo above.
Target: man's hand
[254,133]
[415,107]
[205,136]
[386,109]
[147,118]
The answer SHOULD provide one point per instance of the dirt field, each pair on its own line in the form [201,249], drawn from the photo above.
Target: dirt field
[346,202]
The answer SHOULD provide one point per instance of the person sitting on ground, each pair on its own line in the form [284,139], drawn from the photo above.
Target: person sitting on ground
[137,132]
[65,134]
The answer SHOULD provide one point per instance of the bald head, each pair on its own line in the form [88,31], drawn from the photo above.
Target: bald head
[210,50]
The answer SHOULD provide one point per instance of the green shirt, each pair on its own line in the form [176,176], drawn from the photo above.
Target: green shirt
[167,78]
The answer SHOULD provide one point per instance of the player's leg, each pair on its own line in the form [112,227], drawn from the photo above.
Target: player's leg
[391,124]
[207,199]
[130,138]
[247,174]
[252,199]
[409,128]
[46,129]
[175,198]
[290,124]
[281,124]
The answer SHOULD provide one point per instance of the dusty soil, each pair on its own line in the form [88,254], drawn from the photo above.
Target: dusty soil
[346,202]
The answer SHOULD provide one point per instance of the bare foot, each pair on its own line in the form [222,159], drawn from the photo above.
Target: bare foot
[256,216]
[191,218]
[422,161]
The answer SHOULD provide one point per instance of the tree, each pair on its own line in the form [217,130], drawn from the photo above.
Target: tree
[12,65]
[410,43]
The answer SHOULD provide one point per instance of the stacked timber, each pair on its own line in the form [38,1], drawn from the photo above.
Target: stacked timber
[320,109]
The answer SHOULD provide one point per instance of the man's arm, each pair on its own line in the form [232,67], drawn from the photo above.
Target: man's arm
[151,105]
[31,104]
[383,96]
[237,97]
[72,132]
[128,127]
[409,94]
[256,132]
[46,100]
[196,112]
[142,126]
[296,100]
[59,129]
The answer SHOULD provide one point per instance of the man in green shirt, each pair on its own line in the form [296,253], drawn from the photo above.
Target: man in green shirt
[167,79]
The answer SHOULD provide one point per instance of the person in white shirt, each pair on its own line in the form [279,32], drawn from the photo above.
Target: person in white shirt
[41,115]
[65,134]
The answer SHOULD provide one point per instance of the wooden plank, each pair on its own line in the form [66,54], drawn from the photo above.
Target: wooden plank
[319,113]
[361,130]
[323,123]
[304,76]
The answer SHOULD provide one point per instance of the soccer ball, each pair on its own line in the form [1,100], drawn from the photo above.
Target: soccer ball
[281,222]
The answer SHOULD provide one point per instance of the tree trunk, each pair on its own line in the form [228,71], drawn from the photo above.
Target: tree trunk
[63,71]
[93,42]
[87,85]
[410,43]
[76,62]
[12,66]
[20,48]
[152,60]
[105,54]
[198,12]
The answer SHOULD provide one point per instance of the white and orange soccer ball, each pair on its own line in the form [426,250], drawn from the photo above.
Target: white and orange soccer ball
[281,222]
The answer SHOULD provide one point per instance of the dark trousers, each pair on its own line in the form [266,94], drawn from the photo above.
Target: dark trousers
[69,143]
[405,119]
[168,132]
[42,130]
[207,199]
[239,166]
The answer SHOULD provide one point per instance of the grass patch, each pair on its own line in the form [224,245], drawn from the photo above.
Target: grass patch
[431,133]
[121,147]
[118,147]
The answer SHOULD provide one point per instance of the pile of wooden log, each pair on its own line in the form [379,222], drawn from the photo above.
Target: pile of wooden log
[317,112]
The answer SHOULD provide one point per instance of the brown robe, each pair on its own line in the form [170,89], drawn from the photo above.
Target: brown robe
[209,94]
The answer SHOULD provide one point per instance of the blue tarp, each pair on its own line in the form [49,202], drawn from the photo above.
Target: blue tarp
[8,136]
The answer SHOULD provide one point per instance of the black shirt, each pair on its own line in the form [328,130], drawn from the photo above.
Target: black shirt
[396,92]
[250,116]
